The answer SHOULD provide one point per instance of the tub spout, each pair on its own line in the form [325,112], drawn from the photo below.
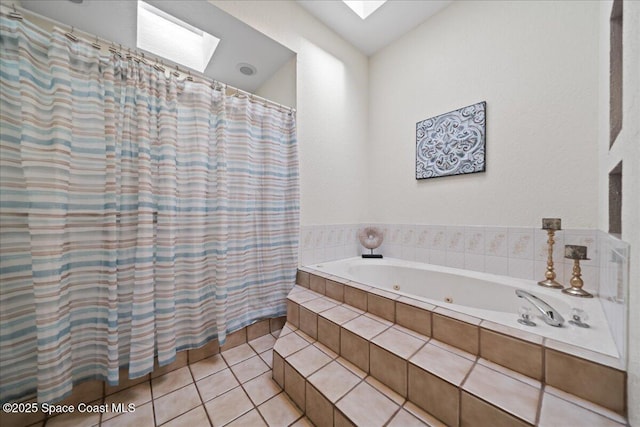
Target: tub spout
[549,314]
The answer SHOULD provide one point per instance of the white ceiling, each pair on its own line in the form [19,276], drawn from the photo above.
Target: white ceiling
[392,20]
[116,21]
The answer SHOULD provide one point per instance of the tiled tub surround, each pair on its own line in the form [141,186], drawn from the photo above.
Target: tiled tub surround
[358,345]
[322,243]
[509,251]
[482,295]
[614,286]
[519,252]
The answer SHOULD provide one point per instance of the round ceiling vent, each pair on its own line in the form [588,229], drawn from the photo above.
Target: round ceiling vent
[247,69]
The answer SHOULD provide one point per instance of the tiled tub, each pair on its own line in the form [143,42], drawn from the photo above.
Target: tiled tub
[592,375]
[481,295]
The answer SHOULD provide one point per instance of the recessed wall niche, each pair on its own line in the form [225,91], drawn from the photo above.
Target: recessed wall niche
[615,200]
[615,72]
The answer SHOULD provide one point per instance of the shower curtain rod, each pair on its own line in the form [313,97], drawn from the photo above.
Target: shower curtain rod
[15,12]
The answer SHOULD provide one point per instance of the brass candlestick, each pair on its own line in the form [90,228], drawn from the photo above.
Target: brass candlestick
[551,225]
[576,253]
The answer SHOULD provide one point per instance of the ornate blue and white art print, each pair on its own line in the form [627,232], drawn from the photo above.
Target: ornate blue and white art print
[452,143]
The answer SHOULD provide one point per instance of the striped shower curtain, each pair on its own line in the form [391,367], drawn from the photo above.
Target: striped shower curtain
[140,215]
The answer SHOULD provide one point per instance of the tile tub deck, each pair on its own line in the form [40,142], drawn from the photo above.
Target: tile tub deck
[435,366]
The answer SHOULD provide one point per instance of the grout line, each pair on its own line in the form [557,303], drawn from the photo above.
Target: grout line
[198,390]
[229,391]
[585,408]
[394,415]
[459,415]
[304,379]
[102,401]
[544,364]
[244,390]
[479,339]
[299,418]
[239,415]
[498,408]
[539,408]
[405,400]
[509,376]
[335,405]
[466,377]
[104,398]
[172,391]
[265,361]
[153,404]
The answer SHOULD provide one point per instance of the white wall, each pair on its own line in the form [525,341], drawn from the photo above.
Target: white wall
[332,102]
[281,86]
[535,64]
[627,150]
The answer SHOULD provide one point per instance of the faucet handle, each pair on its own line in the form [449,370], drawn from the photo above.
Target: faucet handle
[525,316]
[579,318]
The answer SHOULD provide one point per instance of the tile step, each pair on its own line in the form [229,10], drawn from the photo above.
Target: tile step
[345,366]
[557,364]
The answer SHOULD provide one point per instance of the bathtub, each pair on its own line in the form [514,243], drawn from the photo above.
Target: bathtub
[482,295]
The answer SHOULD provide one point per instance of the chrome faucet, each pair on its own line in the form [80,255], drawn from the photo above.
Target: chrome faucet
[549,315]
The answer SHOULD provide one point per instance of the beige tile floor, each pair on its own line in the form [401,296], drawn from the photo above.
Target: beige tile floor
[233,388]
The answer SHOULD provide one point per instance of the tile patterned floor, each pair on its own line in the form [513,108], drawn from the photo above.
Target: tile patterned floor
[235,388]
[232,388]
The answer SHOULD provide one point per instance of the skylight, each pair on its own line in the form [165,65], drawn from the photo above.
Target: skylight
[166,36]
[364,8]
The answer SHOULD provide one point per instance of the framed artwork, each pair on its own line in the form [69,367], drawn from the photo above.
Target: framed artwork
[452,143]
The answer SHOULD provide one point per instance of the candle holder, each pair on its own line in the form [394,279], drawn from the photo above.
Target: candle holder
[551,225]
[576,253]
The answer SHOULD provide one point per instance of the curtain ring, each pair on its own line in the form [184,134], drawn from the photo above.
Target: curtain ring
[15,14]
[96,44]
[71,36]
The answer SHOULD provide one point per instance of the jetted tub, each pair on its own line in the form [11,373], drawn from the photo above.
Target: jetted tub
[482,295]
